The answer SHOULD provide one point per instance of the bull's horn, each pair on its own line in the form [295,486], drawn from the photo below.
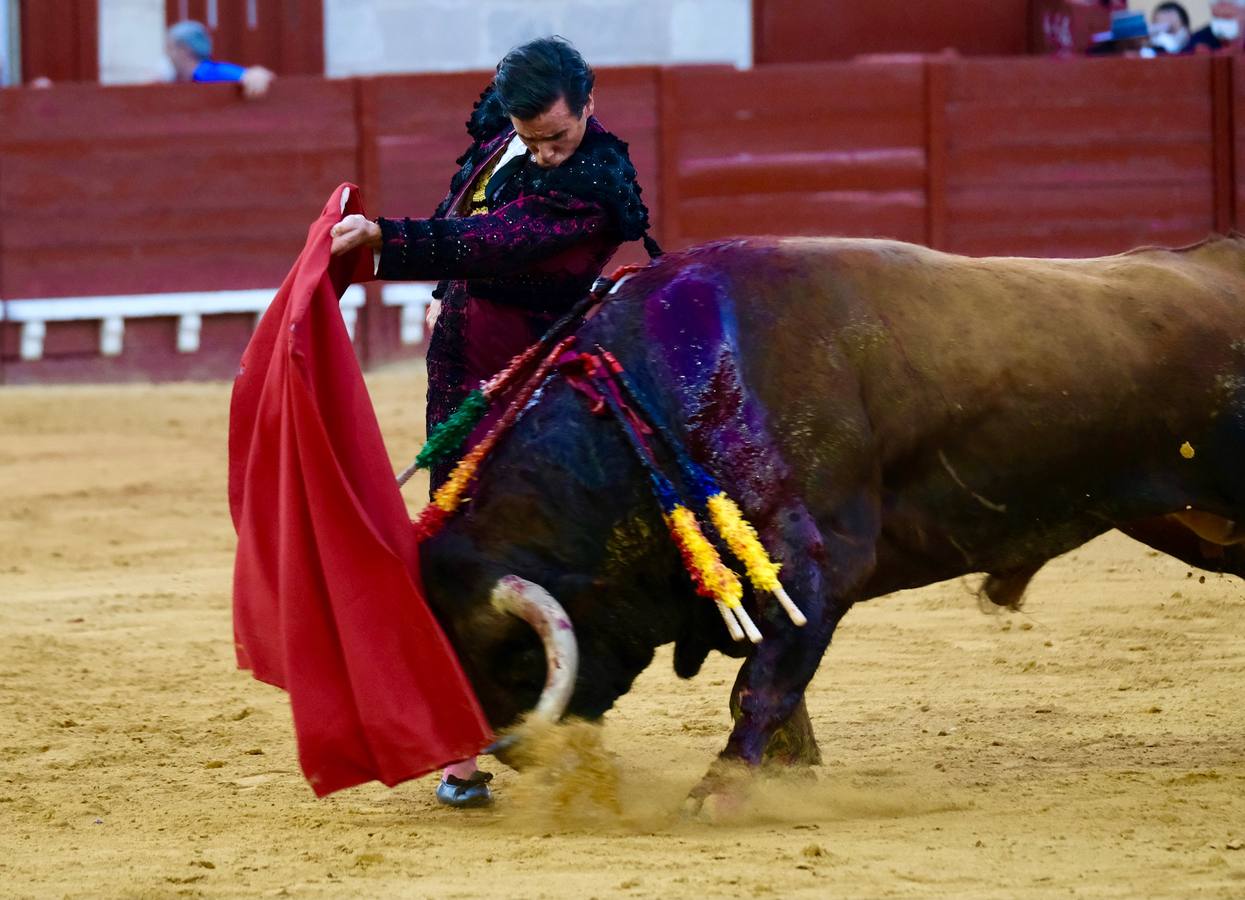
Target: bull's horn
[532,603]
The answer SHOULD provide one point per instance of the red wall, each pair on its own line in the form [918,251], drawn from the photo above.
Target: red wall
[1077,158]
[814,149]
[160,189]
[60,40]
[787,31]
[1030,156]
[179,188]
[167,187]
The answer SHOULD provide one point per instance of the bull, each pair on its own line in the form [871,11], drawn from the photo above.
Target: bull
[887,416]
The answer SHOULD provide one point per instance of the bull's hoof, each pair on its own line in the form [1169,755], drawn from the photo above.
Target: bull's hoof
[715,809]
[722,794]
[465,793]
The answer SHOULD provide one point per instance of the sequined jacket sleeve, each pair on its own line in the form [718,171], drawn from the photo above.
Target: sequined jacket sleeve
[507,241]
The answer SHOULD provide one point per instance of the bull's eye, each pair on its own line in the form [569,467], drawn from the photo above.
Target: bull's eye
[519,663]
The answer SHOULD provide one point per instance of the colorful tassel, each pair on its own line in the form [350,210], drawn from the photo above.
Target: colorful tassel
[449,496]
[726,515]
[742,538]
[723,584]
[431,519]
[711,578]
[707,569]
[447,437]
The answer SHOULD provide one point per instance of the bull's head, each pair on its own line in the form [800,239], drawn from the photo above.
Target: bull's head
[516,643]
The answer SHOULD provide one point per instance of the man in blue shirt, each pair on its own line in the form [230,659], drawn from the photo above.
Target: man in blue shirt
[189,48]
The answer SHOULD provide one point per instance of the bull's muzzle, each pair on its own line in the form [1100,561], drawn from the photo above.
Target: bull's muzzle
[533,604]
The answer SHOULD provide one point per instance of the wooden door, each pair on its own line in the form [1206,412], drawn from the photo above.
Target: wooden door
[59,40]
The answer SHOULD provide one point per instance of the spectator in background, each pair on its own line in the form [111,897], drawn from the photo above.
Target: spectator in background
[189,48]
[1129,36]
[1169,28]
[1223,34]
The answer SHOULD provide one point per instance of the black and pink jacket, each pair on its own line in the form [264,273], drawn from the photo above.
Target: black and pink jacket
[508,274]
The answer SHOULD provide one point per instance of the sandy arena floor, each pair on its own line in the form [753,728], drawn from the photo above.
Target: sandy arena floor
[1094,746]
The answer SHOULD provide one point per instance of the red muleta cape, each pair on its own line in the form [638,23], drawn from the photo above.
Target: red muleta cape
[327,599]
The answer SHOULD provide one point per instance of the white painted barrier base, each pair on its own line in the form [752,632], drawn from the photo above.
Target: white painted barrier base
[190,308]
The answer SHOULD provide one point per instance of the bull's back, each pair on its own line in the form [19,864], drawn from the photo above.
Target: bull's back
[939,342]
[979,395]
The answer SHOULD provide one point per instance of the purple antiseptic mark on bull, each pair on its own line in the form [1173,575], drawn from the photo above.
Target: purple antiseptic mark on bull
[692,317]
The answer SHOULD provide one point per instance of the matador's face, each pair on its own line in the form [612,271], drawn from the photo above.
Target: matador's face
[554,135]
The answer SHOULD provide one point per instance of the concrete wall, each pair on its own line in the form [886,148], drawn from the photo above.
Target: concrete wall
[364,37]
[131,41]
[8,43]
[372,36]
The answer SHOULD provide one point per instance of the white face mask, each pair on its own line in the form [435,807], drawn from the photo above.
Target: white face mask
[1171,43]
[1225,29]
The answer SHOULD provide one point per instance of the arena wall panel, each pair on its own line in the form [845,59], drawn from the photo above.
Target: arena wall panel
[143,229]
[130,190]
[788,31]
[835,148]
[1232,159]
[1077,157]
[59,40]
[135,191]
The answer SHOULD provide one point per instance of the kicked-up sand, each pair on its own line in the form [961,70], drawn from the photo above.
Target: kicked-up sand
[1093,745]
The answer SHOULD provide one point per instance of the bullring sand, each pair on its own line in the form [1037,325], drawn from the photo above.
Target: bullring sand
[1093,745]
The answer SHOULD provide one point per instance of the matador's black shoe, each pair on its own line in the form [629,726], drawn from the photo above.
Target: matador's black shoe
[466,793]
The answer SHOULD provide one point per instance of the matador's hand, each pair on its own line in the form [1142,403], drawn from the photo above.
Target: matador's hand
[354,231]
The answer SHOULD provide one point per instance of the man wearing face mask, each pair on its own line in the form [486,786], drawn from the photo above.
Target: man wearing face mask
[1169,28]
[1223,34]
[543,199]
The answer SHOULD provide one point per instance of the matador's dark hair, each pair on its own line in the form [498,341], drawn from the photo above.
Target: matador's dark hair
[531,78]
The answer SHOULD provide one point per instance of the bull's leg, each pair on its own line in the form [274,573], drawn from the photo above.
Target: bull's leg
[1169,535]
[770,695]
[1007,589]
[793,743]
[812,439]
[820,566]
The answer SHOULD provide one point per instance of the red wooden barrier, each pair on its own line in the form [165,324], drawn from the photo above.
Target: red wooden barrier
[160,189]
[1079,157]
[834,148]
[130,191]
[165,188]
[787,31]
[1233,122]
